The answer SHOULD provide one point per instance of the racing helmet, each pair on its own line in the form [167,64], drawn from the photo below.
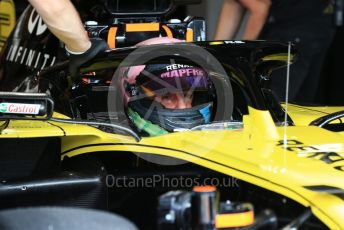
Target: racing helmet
[145,87]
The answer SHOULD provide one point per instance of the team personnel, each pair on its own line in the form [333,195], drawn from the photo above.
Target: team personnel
[307,23]
[64,22]
[231,16]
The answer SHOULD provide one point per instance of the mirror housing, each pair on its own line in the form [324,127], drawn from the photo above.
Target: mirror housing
[25,106]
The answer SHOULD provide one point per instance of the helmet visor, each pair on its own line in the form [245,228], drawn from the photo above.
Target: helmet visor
[186,79]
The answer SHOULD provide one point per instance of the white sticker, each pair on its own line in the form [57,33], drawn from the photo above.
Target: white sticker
[18,108]
[234,42]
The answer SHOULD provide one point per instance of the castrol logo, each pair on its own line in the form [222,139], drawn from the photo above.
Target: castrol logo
[18,108]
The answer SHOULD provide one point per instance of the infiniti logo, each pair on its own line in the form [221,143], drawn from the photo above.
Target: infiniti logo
[36,21]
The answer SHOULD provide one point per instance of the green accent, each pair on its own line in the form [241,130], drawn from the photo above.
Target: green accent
[3,108]
[147,126]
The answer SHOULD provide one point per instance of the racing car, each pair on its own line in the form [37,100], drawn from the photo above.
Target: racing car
[254,162]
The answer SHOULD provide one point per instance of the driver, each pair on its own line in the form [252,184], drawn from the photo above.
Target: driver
[162,98]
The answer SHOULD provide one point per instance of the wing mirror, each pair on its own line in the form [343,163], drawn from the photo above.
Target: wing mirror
[25,106]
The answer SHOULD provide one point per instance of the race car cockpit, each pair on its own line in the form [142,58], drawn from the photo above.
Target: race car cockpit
[30,52]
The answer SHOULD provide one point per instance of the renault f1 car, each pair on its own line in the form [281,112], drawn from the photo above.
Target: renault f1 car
[67,140]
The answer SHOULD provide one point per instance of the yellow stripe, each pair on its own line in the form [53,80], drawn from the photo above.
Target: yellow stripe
[7,20]
[230,220]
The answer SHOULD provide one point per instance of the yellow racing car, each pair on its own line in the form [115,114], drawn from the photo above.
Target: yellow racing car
[170,134]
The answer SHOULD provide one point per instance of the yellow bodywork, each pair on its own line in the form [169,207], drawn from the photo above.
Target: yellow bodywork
[7,20]
[279,159]
[304,115]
